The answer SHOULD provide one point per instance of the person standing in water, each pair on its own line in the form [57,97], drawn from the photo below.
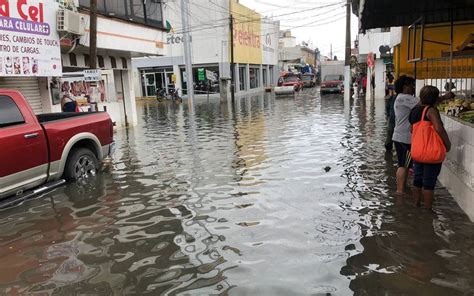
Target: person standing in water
[426,174]
[404,102]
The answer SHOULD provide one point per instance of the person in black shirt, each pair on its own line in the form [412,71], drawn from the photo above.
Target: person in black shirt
[426,174]
[390,111]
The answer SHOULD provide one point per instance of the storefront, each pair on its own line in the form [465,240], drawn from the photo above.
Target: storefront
[123,32]
[256,57]
[112,88]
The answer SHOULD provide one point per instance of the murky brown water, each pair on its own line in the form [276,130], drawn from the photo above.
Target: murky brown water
[239,203]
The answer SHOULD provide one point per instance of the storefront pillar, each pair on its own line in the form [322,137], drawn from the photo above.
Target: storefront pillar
[129,97]
[237,78]
[179,82]
[247,77]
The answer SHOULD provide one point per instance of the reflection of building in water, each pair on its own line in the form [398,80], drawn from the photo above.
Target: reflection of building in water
[249,137]
[249,142]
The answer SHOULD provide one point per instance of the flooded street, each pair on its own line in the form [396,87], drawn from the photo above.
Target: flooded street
[277,196]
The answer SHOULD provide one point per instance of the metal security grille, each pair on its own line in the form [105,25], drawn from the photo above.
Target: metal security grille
[436,72]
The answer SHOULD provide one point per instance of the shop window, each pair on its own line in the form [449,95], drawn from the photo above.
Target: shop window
[272,75]
[100,60]
[206,85]
[86,60]
[72,59]
[113,62]
[202,86]
[254,74]
[264,74]
[242,78]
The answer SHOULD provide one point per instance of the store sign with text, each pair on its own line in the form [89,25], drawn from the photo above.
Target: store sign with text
[247,35]
[29,42]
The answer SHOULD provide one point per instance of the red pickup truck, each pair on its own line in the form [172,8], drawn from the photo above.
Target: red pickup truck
[37,149]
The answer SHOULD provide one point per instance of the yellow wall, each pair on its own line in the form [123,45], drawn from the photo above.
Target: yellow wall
[432,50]
[247,34]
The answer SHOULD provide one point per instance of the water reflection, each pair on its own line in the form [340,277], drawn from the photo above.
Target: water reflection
[236,199]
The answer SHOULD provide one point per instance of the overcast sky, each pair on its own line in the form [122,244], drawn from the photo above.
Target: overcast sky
[320,22]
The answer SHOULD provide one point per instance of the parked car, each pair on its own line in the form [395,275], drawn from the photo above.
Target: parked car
[332,84]
[291,80]
[309,80]
[38,149]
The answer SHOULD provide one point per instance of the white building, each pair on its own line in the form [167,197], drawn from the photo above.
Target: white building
[371,42]
[125,30]
[294,56]
[255,50]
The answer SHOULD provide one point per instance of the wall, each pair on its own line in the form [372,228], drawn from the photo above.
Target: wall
[431,50]
[288,41]
[247,34]
[457,174]
[208,45]
[116,34]
[270,48]
[379,79]
[395,36]
[371,42]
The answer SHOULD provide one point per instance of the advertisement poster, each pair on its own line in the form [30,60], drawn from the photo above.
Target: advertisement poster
[82,92]
[29,42]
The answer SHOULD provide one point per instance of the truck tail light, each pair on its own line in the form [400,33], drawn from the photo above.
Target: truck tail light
[111,130]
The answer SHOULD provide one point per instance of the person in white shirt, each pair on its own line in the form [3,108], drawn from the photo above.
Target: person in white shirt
[404,102]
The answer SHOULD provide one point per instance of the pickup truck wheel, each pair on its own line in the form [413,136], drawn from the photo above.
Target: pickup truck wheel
[82,163]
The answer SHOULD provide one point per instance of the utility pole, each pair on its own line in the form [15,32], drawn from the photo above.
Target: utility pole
[93,36]
[331,57]
[232,64]
[187,51]
[347,68]
[93,54]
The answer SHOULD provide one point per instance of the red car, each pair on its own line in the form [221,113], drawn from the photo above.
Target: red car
[332,84]
[39,149]
[291,80]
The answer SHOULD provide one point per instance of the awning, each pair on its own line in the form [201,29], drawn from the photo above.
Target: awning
[381,14]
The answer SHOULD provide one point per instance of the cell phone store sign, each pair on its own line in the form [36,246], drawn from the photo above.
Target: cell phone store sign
[29,42]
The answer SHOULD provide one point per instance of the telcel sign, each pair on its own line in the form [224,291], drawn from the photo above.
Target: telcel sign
[173,39]
[29,43]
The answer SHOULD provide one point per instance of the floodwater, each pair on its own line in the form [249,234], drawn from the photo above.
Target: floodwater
[276,196]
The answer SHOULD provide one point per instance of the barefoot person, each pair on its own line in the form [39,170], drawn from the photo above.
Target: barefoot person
[426,174]
[404,102]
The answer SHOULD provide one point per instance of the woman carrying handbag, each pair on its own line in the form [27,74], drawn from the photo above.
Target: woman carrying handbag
[430,143]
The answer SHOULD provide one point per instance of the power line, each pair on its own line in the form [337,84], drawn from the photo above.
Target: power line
[311,25]
[255,20]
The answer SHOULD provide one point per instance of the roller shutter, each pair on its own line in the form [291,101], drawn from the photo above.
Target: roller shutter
[28,86]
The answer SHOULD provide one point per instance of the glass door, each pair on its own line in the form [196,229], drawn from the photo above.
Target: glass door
[160,83]
[150,84]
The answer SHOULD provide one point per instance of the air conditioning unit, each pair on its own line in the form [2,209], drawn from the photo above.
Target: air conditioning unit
[71,22]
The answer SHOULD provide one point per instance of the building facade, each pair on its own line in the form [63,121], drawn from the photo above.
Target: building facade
[255,50]
[371,43]
[124,31]
[294,56]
